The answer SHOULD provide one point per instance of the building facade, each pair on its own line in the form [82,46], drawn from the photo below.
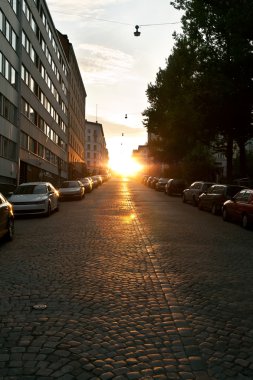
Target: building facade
[9,91]
[36,142]
[95,147]
[77,167]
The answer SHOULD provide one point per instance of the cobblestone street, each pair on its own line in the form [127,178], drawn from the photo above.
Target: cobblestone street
[129,292]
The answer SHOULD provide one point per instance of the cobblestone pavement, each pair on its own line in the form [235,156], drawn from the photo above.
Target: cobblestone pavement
[123,297]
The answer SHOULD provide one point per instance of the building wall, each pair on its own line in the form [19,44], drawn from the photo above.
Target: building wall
[77,104]
[44,101]
[9,99]
[34,98]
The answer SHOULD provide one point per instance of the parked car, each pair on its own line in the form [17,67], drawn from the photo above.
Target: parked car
[71,190]
[192,193]
[144,179]
[149,180]
[98,178]
[175,186]
[6,189]
[35,198]
[213,199]
[95,181]
[153,182]
[6,219]
[160,185]
[87,183]
[240,208]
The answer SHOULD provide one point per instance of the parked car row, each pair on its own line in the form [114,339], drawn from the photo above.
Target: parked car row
[233,202]
[41,198]
[171,186]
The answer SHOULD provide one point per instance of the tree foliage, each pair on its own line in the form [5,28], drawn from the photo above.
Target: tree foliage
[205,93]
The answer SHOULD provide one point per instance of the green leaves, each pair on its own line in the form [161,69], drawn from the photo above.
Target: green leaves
[206,89]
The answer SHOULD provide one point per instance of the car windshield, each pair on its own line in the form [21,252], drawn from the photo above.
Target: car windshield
[31,189]
[70,184]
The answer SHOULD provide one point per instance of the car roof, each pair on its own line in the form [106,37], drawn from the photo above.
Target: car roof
[34,183]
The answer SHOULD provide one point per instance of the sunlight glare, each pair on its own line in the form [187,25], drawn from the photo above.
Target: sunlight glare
[125,166]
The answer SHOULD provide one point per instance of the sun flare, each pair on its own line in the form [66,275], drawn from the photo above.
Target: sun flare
[125,166]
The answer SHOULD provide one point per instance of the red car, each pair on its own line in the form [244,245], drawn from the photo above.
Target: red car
[240,208]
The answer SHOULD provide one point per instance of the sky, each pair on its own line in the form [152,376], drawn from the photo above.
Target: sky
[116,66]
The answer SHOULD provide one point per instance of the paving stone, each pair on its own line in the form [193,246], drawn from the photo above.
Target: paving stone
[127,298]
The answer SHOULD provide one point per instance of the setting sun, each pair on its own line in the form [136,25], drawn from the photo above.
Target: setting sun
[125,166]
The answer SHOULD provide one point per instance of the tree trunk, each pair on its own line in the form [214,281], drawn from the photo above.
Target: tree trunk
[242,159]
[229,155]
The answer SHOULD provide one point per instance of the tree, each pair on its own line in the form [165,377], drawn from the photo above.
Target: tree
[222,34]
[205,93]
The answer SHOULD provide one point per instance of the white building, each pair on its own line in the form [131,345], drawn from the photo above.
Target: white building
[95,148]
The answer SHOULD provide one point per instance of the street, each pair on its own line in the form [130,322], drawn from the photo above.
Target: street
[128,283]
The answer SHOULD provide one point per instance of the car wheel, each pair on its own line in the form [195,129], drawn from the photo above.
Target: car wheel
[10,234]
[214,209]
[225,215]
[48,213]
[245,221]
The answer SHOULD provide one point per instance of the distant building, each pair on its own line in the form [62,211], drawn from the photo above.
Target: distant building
[95,148]
[141,155]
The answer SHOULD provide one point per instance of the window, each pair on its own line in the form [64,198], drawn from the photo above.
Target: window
[1,63]
[7,30]
[13,76]
[14,5]
[24,140]
[7,148]
[14,40]
[7,70]
[1,21]
[7,109]
[33,145]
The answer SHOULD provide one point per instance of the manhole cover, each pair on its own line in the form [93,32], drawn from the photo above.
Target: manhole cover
[39,306]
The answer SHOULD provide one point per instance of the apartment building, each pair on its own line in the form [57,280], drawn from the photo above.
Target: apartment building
[95,147]
[9,91]
[77,167]
[34,98]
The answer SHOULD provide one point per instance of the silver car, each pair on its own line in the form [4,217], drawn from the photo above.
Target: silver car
[35,198]
[192,193]
[72,190]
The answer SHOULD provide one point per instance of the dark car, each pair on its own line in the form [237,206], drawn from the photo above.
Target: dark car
[213,199]
[6,219]
[153,182]
[160,184]
[240,208]
[175,186]
[192,193]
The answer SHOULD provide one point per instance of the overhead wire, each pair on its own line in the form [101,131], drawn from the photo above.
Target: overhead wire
[115,21]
